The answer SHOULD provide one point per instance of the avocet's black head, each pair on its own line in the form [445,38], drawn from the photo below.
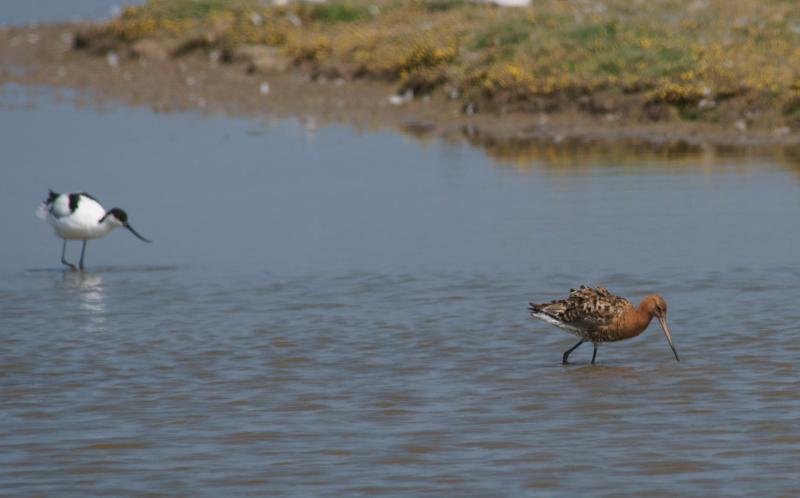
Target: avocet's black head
[116,214]
[119,218]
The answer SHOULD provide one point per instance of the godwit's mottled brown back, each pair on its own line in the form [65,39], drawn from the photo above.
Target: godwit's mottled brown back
[593,313]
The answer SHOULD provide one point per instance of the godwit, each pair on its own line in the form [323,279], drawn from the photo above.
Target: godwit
[597,315]
[81,217]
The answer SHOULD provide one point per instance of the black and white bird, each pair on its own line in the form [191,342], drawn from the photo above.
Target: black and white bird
[78,216]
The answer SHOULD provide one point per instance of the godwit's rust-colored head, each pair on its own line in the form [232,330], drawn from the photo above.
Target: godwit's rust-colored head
[656,306]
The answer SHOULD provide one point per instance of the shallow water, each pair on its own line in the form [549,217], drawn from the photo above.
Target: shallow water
[18,12]
[331,313]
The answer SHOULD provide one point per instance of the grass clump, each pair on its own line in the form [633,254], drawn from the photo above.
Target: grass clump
[339,12]
[181,9]
[442,5]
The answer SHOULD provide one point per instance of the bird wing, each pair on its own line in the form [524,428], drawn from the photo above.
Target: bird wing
[61,205]
[56,205]
[44,207]
[90,208]
[585,308]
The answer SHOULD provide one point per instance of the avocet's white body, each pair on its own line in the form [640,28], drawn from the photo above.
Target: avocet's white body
[81,223]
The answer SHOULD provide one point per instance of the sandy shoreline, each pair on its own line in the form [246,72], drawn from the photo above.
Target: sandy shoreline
[45,55]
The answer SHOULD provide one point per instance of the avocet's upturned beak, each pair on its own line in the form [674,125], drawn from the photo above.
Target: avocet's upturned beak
[136,234]
[664,327]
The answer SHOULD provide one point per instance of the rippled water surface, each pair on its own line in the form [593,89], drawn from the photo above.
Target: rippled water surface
[331,313]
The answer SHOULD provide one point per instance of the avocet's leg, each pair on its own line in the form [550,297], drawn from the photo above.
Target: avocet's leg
[83,250]
[595,352]
[63,259]
[567,352]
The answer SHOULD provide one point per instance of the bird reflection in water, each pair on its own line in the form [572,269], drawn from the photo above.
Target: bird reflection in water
[91,294]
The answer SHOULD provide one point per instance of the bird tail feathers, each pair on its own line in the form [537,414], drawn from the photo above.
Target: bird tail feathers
[42,210]
[44,207]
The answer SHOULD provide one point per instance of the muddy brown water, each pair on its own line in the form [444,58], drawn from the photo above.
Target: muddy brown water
[328,313]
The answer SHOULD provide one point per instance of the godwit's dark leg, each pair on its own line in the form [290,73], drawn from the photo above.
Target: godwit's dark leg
[567,352]
[83,250]
[595,352]
[63,253]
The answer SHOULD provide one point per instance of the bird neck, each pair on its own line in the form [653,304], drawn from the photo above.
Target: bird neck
[105,226]
[636,321]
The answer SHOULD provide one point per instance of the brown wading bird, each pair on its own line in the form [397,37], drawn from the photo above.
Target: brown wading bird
[597,315]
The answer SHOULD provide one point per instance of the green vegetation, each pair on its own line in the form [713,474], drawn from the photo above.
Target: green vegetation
[708,60]
[339,12]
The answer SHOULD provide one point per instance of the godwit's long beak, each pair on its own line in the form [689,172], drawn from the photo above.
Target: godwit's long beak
[136,233]
[664,327]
